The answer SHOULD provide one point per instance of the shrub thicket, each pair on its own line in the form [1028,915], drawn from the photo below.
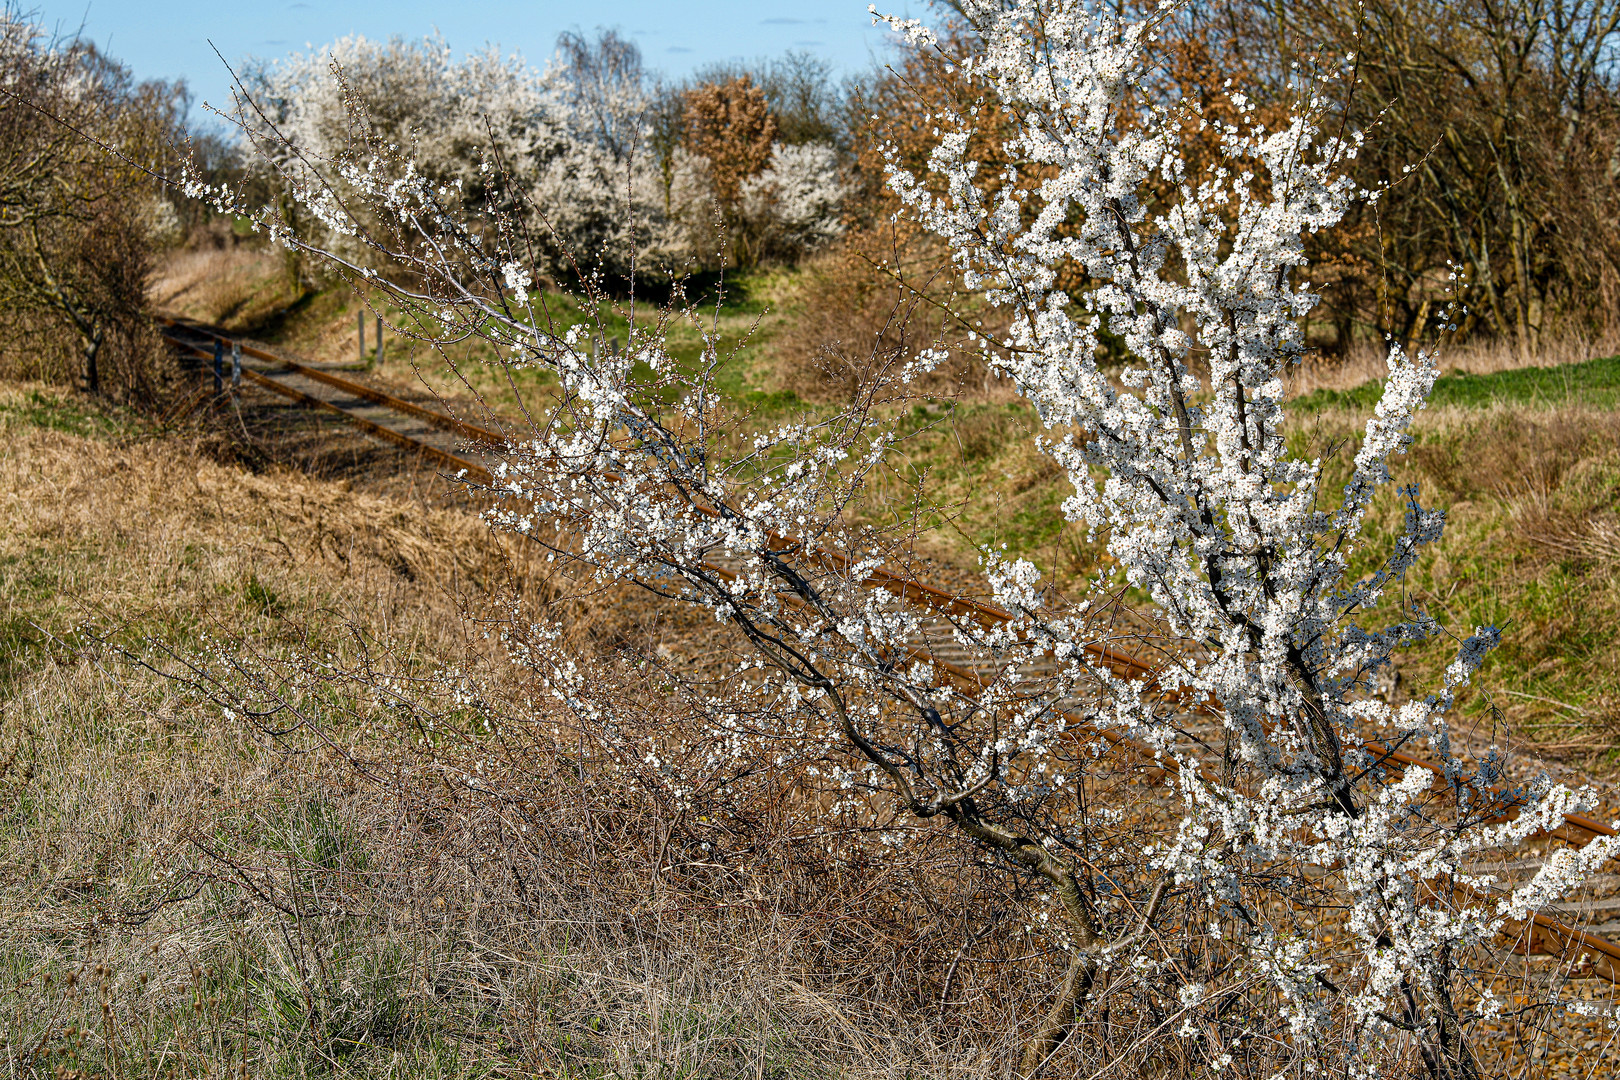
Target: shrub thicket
[80,225]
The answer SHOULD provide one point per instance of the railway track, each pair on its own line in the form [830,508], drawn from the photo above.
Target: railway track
[1577,934]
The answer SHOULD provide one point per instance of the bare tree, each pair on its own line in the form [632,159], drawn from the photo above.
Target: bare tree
[604,87]
[1493,139]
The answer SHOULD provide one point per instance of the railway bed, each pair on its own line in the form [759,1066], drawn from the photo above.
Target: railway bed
[1576,933]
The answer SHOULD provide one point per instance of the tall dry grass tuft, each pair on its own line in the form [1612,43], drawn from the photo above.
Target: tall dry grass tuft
[1555,472]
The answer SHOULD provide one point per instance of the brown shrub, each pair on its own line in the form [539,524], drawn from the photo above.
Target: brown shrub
[77,240]
[872,304]
[730,124]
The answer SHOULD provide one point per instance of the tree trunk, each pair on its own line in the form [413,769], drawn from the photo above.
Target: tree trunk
[1082,972]
[92,353]
[1059,1019]
[1452,1058]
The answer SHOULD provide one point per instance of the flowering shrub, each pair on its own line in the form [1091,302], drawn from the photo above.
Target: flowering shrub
[569,143]
[1300,907]
[371,109]
[796,200]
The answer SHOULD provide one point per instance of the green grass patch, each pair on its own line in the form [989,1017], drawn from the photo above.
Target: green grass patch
[75,416]
[740,320]
[1592,382]
[262,598]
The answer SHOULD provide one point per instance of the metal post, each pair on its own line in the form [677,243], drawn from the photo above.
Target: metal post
[219,365]
[379,341]
[362,320]
[236,364]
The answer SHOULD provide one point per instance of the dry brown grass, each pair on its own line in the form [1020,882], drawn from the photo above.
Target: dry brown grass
[200,529]
[226,285]
[184,893]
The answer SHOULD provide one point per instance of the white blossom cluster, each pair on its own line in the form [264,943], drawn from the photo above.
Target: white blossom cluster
[599,196]
[357,109]
[798,200]
[1184,465]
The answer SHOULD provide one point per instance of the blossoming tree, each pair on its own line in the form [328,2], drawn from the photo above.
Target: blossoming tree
[1285,817]
[576,170]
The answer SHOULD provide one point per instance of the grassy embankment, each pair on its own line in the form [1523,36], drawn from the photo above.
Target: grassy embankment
[1527,464]
[115,958]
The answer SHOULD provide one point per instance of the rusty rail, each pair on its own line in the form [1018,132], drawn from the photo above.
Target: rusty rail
[349,386]
[1540,934]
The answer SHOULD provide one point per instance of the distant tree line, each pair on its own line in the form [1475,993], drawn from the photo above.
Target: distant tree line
[1492,142]
[1492,133]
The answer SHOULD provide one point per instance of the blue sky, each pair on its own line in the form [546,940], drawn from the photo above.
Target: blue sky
[170,38]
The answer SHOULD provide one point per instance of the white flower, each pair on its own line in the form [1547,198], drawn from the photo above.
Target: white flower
[518,281]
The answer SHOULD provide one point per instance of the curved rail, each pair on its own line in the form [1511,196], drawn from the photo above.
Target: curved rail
[903,586]
[1539,934]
